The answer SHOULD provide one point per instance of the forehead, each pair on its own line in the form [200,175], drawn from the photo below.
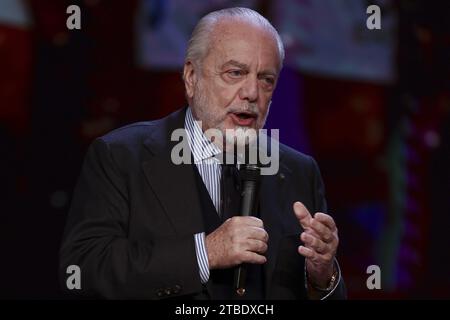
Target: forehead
[244,42]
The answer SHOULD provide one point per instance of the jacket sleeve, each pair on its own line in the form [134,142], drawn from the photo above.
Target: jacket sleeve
[95,239]
[339,291]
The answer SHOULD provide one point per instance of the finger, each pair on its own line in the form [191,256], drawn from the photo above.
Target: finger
[312,232]
[314,243]
[252,257]
[257,234]
[322,231]
[302,214]
[314,256]
[253,221]
[257,246]
[247,221]
[306,252]
[326,220]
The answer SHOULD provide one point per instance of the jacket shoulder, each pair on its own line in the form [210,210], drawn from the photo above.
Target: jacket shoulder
[130,134]
[137,133]
[121,148]
[293,157]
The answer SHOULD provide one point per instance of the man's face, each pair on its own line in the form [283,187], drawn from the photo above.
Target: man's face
[234,85]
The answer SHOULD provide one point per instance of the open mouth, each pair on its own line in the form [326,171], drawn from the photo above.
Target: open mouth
[243,118]
[245,115]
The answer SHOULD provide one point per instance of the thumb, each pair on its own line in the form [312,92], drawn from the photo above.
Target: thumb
[302,214]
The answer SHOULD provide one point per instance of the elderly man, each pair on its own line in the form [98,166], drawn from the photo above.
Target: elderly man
[141,226]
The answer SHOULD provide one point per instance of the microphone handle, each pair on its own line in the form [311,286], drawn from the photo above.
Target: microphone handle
[248,204]
[248,208]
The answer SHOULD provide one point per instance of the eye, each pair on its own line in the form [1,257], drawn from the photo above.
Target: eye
[269,80]
[235,73]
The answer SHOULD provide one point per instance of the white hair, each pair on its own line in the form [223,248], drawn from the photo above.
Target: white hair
[199,42]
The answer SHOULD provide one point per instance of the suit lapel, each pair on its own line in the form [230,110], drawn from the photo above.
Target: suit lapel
[174,185]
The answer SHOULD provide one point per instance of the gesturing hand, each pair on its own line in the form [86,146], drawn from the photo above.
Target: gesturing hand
[321,241]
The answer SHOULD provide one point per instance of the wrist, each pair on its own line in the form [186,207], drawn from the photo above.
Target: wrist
[210,252]
[324,285]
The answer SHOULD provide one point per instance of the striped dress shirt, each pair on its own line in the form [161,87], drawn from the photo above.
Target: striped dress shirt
[204,153]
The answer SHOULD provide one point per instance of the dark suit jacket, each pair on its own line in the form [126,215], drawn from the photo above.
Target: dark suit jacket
[133,216]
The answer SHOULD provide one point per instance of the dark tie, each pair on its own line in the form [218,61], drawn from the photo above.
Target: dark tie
[230,191]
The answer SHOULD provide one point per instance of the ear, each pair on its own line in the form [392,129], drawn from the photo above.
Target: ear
[190,78]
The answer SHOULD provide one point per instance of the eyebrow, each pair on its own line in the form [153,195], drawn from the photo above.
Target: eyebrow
[236,64]
[246,67]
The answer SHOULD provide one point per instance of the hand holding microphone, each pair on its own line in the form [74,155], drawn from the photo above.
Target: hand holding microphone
[240,239]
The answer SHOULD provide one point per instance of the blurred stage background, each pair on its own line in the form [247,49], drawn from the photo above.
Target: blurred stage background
[373,108]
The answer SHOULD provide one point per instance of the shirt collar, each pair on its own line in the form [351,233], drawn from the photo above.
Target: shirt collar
[202,148]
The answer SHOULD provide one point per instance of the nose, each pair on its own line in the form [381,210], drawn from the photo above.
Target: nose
[249,89]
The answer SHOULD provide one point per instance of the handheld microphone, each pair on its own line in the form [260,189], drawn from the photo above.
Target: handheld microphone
[250,177]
